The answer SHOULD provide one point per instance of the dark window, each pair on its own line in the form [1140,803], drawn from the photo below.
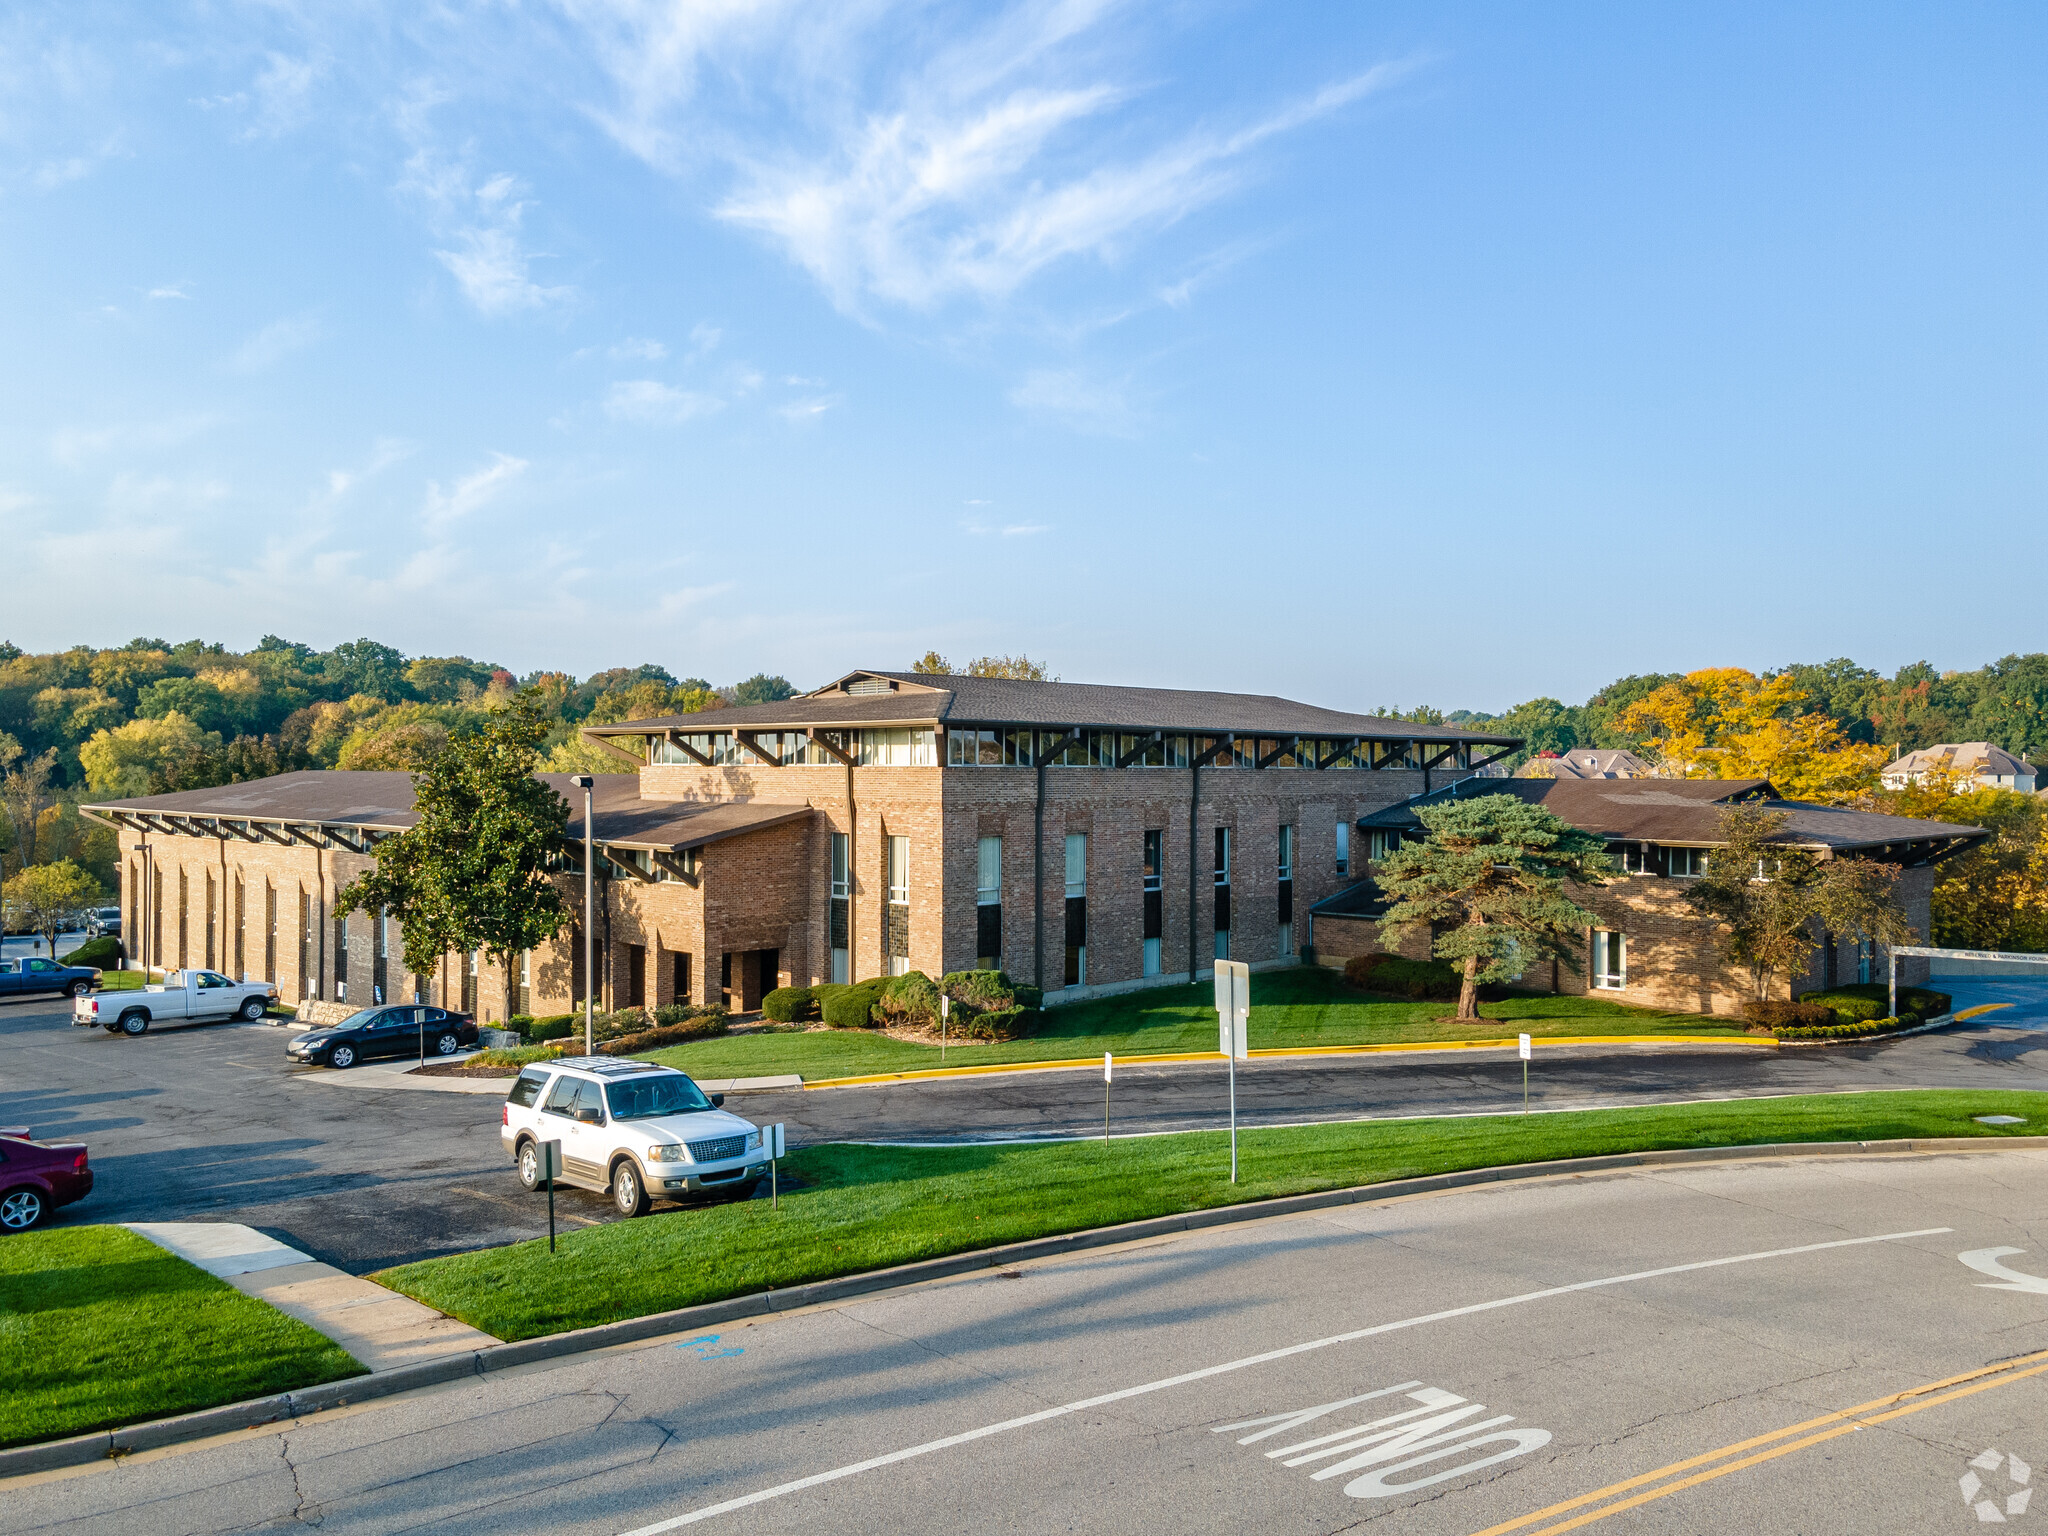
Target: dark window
[527,1088]
[636,975]
[681,964]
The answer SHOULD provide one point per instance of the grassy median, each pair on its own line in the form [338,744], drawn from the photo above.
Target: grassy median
[868,1207]
[1290,1008]
[100,1327]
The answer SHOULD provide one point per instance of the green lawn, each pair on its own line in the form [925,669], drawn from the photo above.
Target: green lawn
[1300,1007]
[867,1208]
[100,1327]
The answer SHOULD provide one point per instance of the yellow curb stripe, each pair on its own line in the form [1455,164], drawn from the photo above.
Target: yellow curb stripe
[1845,1421]
[1971,1013]
[1405,1048]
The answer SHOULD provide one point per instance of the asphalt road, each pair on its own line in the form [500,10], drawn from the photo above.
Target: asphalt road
[1543,1342]
[212,1122]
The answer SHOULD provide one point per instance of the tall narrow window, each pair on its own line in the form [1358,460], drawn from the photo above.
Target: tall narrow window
[988,904]
[269,932]
[309,959]
[340,957]
[841,903]
[471,967]
[380,955]
[1343,847]
[1077,909]
[212,955]
[241,928]
[184,923]
[1223,893]
[636,975]
[896,911]
[1155,899]
[1610,959]
[1286,891]
[681,962]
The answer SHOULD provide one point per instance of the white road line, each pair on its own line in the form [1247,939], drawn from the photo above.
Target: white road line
[854,1469]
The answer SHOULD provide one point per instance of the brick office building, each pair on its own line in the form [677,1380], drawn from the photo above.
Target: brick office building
[1649,946]
[1086,838]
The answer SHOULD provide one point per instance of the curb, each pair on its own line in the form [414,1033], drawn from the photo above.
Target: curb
[1269,1053]
[82,1450]
[1898,1034]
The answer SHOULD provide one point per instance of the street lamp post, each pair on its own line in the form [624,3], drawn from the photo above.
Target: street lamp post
[587,784]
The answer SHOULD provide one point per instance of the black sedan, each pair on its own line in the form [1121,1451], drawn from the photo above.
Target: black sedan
[407,1029]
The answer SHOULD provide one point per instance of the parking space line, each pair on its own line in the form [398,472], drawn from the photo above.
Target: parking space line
[1841,1422]
[965,1437]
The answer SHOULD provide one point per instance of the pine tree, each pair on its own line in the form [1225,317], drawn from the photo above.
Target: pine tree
[1488,881]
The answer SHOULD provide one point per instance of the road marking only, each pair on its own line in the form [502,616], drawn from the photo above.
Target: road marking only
[966,1437]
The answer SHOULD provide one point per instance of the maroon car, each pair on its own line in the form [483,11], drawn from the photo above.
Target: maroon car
[38,1176]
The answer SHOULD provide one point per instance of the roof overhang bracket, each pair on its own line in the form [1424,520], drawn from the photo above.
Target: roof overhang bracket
[603,743]
[1483,762]
[680,865]
[747,740]
[1344,749]
[1442,757]
[1044,758]
[819,739]
[1217,748]
[1145,744]
[623,860]
[1286,745]
[677,740]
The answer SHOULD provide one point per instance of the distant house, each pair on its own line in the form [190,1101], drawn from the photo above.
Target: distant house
[1648,946]
[1978,764]
[1585,763]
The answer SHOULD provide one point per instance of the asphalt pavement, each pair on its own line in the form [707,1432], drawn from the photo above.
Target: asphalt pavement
[213,1123]
[1691,1349]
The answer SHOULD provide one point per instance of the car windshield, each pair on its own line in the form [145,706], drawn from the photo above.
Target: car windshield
[358,1019]
[652,1097]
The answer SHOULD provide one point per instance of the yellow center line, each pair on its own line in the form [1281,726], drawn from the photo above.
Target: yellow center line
[1982,1008]
[1843,1421]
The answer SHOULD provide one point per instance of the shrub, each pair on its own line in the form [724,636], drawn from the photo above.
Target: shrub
[789,1005]
[517,1056]
[912,999]
[1774,1014]
[1855,1031]
[1396,976]
[700,1024]
[1924,1001]
[995,1023]
[854,1008]
[556,1026]
[987,1005]
[1849,1008]
[1029,997]
[103,953]
[979,991]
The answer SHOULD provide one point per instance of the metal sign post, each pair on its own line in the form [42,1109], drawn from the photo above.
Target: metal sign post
[1108,1068]
[945,1009]
[551,1169]
[1525,1073]
[775,1147]
[1233,1026]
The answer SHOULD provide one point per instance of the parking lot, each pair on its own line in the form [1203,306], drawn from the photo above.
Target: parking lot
[212,1123]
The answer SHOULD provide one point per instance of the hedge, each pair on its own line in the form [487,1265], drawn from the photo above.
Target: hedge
[555,1027]
[790,1005]
[1851,1000]
[1395,976]
[854,1008]
[102,953]
[1857,1030]
[1773,1013]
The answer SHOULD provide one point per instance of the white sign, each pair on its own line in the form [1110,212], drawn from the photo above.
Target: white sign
[775,1140]
[550,1159]
[945,1005]
[1525,1047]
[1233,1008]
[1106,1069]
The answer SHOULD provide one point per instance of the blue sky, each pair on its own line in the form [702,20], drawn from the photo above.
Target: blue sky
[1368,354]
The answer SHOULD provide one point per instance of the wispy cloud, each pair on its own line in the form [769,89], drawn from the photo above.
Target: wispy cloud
[1003,530]
[650,402]
[169,291]
[1077,401]
[919,166]
[637,349]
[808,410]
[683,599]
[486,252]
[473,491]
[275,342]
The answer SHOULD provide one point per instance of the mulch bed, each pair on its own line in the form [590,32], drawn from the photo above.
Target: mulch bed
[462,1069]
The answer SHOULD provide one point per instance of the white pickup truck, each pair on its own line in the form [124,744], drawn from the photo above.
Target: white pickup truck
[184,997]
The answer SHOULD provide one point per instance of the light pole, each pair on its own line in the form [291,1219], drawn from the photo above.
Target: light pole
[587,784]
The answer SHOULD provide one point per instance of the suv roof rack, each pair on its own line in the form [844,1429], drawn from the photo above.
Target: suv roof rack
[613,1065]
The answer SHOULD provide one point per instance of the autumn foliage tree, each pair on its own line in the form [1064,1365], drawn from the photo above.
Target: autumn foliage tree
[1489,881]
[1726,723]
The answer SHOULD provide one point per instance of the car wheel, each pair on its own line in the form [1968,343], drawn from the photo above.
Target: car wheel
[21,1209]
[251,1009]
[134,1024]
[342,1056]
[78,989]
[448,1045]
[529,1166]
[628,1193]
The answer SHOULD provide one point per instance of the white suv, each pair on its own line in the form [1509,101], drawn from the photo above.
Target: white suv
[632,1128]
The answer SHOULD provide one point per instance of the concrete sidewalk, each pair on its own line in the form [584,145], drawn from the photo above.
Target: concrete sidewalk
[401,1074]
[381,1328]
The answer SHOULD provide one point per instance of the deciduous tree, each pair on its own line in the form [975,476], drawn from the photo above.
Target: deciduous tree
[472,872]
[1726,723]
[45,896]
[1489,881]
[1777,898]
